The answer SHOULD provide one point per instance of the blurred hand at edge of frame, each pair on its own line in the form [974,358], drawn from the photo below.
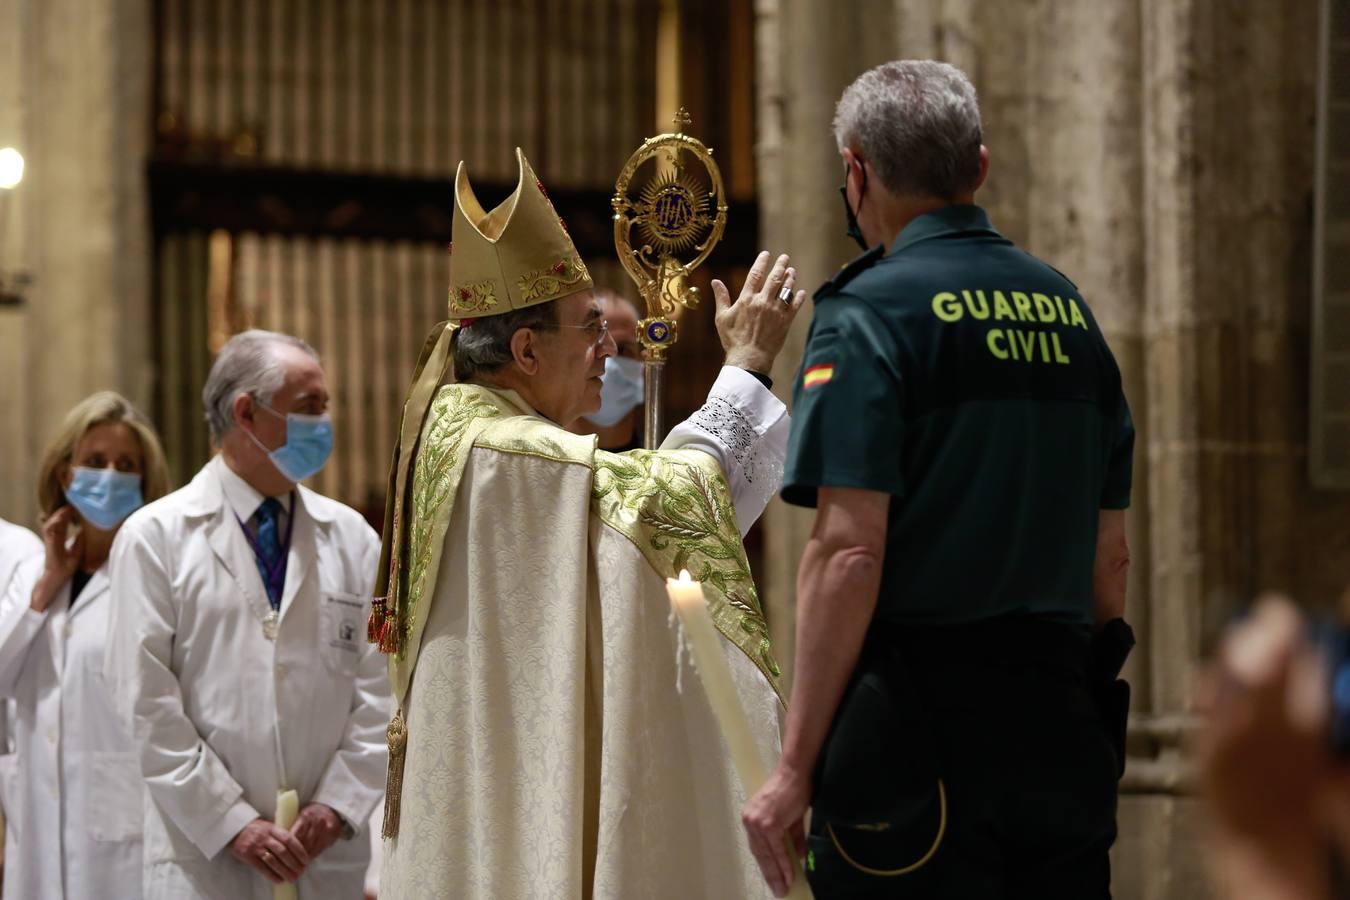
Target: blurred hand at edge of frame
[1276,795]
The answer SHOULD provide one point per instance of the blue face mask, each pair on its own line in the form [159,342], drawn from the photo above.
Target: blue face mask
[620,390]
[104,497]
[309,443]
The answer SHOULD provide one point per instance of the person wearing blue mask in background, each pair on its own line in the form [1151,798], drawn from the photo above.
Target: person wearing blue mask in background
[74,825]
[238,648]
[616,423]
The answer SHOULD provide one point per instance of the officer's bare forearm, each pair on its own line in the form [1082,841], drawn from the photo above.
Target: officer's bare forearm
[1110,566]
[1109,592]
[836,595]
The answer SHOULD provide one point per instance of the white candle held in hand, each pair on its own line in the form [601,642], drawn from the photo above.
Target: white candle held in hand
[288,809]
[686,596]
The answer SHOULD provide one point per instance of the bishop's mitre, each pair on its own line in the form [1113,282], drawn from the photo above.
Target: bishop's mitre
[515,256]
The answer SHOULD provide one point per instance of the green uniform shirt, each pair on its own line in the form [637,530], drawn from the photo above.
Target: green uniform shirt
[968,380]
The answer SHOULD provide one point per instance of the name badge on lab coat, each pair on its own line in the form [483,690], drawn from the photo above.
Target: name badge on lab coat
[342,629]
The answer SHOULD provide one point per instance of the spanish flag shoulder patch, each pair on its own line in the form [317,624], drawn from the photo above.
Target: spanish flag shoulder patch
[815,376]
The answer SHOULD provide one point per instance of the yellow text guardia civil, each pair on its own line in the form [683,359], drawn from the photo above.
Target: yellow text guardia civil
[1015,344]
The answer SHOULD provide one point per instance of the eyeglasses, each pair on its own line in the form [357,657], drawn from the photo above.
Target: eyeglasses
[597,331]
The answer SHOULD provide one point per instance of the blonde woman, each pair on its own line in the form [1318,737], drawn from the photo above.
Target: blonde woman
[75,817]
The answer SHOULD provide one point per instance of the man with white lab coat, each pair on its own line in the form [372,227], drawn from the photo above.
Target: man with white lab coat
[238,648]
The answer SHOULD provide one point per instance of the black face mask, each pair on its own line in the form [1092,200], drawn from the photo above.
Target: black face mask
[853,230]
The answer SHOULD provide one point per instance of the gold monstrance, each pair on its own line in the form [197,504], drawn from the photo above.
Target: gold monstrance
[679,213]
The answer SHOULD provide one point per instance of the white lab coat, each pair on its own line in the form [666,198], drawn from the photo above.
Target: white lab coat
[75,813]
[205,689]
[16,544]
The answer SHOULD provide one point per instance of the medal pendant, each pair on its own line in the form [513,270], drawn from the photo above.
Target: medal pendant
[270,624]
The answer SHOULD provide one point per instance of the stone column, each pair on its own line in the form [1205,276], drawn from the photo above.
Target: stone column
[1085,215]
[1228,135]
[16,494]
[807,54]
[77,106]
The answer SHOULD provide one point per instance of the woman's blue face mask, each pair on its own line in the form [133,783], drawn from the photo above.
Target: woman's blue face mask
[104,497]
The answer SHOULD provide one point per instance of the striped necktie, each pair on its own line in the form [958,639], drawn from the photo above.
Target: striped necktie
[267,550]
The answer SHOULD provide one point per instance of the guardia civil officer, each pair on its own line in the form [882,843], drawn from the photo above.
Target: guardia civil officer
[960,428]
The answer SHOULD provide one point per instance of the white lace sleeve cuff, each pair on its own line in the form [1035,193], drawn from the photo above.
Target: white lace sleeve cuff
[745,428]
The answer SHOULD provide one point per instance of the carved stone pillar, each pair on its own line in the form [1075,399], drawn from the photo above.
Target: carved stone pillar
[75,102]
[15,437]
[807,54]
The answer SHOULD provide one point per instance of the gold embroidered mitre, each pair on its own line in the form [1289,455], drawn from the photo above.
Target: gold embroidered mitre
[515,256]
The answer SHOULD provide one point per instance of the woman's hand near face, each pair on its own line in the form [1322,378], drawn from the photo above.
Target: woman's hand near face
[60,561]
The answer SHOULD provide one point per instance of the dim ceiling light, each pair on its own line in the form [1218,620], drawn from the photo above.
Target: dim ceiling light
[11,167]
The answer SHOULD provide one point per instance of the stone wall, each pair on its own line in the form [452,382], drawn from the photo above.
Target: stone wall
[74,93]
[1159,152]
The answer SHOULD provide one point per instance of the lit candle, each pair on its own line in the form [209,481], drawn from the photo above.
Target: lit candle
[288,809]
[686,596]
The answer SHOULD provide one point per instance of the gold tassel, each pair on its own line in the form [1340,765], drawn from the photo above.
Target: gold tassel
[375,624]
[397,733]
[389,635]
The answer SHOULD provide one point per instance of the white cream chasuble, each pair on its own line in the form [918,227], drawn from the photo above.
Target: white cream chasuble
[556,746]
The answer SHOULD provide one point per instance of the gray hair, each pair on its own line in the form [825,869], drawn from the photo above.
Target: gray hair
[917,123]
[247,364]
[486,345]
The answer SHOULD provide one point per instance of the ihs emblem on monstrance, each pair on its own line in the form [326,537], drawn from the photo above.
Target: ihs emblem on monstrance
[670,211]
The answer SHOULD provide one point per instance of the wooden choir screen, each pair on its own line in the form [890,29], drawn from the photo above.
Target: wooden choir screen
[408,86]
[390,91]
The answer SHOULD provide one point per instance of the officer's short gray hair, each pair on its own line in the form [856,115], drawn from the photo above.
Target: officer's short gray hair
[485,346]
[247,364]
[917,123]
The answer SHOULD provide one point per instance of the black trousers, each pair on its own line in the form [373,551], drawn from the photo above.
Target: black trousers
[1008,722]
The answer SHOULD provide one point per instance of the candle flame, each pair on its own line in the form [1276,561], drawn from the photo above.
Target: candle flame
[684,577]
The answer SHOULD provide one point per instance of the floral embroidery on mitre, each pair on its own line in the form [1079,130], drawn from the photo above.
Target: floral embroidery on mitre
[547,283]
[475,297]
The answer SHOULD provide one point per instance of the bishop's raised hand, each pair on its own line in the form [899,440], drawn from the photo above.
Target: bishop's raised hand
[754,327]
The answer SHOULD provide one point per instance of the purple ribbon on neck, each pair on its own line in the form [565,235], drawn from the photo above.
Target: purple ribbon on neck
[274,573]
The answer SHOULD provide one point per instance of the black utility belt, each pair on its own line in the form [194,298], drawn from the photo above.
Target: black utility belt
[1001,641]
